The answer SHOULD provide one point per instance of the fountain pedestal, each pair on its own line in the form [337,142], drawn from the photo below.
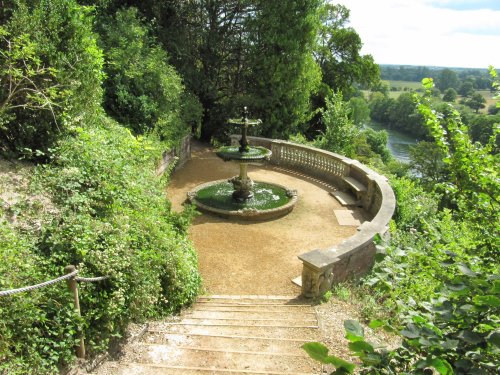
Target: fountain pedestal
[242,184]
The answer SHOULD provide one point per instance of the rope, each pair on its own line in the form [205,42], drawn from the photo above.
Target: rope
[37,286]
[50,282]
[91,279]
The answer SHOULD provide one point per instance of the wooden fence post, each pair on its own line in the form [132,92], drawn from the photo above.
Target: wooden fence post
[73,287]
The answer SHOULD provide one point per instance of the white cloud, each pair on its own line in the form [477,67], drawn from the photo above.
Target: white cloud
[415,33]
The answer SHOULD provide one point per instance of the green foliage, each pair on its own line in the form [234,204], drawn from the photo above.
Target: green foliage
[476,101]
[338,49]
[141,89]
[414,205]
[377,140]
[50,73]
[447,79]
[450,95]
[38,327]
[426,159]
[473,178]
[340,132]
[360,110]
[466,88]
[283,71]
[454,333]
[319,352]
[112,218]
[400,113]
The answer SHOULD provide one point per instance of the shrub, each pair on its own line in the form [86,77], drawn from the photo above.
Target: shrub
[112,218]
[50,74]
[414,205]
[116,221]
[36,328]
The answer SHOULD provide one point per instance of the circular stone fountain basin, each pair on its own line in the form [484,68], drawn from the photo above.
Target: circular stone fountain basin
[270,201]
[254,153]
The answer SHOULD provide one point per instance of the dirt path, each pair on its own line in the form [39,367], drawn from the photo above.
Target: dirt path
[237,257]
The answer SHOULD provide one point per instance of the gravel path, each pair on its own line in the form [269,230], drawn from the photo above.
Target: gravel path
[237,257]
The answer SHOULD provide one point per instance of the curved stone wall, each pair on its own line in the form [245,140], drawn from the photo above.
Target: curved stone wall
[355,255]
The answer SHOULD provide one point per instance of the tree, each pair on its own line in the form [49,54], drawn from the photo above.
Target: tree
[450,95]
[472,168]
[377,140]
[476,102]
[380,106]
[466,88]
[340,131]
[360,111]
[404,116]
[482,127]
[426,159]
[338,49]
[447,79]
[142,90]
[283,74]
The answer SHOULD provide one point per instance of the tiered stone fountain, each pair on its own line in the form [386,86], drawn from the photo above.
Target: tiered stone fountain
[240,196]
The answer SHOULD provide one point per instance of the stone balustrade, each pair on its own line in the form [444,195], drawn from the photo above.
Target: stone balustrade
[355,255]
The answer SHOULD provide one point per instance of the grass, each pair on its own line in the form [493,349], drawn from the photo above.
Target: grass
[401,85]
[266,197]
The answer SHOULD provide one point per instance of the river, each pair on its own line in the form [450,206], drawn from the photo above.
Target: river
[398,143]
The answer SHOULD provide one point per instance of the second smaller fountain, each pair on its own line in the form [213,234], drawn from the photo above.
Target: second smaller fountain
[246,199]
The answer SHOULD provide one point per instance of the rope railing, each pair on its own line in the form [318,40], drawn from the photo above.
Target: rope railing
[72,280]
[51,282]
[38,286]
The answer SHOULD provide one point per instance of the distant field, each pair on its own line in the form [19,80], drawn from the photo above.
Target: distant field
[401,85]
[405,86]
[488,95]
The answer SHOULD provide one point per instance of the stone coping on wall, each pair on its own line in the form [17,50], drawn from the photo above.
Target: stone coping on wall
[355,255]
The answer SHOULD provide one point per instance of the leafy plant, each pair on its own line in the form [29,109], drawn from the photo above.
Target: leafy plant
[50,74]
[142,90]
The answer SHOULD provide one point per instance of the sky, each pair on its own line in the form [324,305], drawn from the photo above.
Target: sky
[446,33]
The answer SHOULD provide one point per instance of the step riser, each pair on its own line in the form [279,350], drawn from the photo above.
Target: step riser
[261,301]
[139,369]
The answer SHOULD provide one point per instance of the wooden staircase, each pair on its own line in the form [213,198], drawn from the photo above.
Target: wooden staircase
[226,335]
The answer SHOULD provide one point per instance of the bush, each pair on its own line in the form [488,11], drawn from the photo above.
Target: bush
[112,218]
[50,74]
[414,205]
[116,221]
[32,338]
